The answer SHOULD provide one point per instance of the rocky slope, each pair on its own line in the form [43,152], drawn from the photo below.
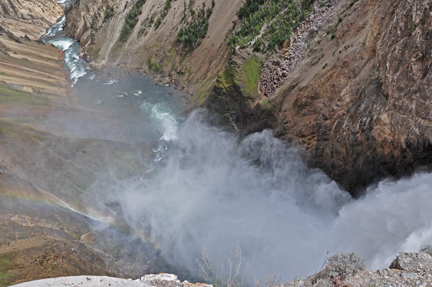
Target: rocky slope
[150,48]
[351,85]
[29,18]
[43,164]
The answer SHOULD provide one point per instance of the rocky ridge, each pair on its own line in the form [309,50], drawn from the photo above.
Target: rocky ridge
[151,280]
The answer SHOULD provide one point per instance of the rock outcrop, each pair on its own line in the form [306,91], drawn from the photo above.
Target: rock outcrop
[416,271]
[408,269]
[168,280]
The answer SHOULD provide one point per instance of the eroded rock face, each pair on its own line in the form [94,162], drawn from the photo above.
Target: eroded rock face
[29,18]
[150,49]
[359,102]
[413,262]
[84,17]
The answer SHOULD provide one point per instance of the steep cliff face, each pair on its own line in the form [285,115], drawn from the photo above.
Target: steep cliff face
[352,87]
[359,102]
[152,43]
[351,84]
[29,18]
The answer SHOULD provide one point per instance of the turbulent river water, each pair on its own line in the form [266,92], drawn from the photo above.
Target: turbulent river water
[208,188]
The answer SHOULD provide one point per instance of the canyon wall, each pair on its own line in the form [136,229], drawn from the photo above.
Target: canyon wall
[29,18]
[153,49]
[351,84]
[360,100]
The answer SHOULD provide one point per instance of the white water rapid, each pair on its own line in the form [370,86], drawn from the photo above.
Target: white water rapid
[76,66]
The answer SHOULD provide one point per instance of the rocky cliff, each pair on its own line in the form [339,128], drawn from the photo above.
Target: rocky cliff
[351,84]
[359,101]
[29,18]
[353,89]
[152,45]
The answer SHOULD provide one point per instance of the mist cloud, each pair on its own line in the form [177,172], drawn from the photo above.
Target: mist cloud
[214,191]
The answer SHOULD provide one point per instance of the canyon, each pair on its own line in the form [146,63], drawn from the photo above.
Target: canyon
[347,92]
[345,87]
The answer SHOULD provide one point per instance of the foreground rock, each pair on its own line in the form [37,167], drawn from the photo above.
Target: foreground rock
[408,269]
[154,280]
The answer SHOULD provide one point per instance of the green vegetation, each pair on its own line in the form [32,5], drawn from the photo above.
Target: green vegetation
[203,91]
[344,264]
[252,69]
[131,20]
[332,29]
[340,265]
[324,4]
[93,53]
[142,32]
[226,77]
[109,12]
[279,16]
[162,16]
[12,96]
[264,102]
[6,278]
[196,28]
[152,66]
[169,57]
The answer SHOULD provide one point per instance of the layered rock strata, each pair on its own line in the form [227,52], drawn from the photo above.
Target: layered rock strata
[29,18]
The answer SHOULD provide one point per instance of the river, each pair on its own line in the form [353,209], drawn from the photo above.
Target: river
[206,188]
